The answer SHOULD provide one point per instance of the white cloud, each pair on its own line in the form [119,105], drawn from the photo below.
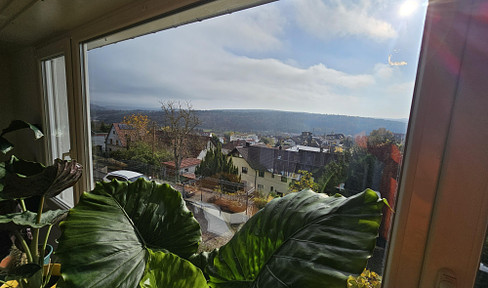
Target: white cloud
[383,71]
[217,79]
[253,30]
[197,62]
[342,18]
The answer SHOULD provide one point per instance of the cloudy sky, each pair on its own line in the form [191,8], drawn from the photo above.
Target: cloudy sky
[355,57]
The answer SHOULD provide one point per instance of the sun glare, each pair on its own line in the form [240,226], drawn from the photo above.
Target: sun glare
[408,8]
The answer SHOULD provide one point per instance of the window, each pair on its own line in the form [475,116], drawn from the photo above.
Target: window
[378,88]
[394,64]
[271,189]
[58,129]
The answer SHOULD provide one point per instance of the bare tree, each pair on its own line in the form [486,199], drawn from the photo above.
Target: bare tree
[180,122]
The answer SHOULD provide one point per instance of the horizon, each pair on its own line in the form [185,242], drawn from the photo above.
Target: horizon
[245,109]
[401,120]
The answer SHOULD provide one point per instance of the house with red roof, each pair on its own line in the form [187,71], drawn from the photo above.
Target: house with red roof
[119,137]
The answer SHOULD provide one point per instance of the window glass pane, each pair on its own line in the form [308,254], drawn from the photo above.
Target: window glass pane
[292,89]
[57,131]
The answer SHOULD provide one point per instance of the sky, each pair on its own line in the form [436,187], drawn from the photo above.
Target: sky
[355,57]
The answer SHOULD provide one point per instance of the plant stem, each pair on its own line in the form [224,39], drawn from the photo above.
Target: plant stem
[24,245]
[35,237]
[48,275]
[45,239]
[22,205]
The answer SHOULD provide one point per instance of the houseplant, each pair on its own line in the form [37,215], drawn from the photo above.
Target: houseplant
[141,234]
[21,180]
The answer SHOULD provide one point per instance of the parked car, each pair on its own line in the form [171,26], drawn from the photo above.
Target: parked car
[124,175]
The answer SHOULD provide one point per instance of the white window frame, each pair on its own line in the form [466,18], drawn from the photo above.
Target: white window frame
[442,209]
[50,51]
[437,153]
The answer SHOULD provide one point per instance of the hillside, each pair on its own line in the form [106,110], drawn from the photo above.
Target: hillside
[267,121]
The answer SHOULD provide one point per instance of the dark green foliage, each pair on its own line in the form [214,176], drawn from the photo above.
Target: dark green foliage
[20,182]
[100,127]
[215,162]
[335,173]
[216,165]
[111,238]
[140,234]
[380,136]
[301,240]
[142,152]
[24,179]
[169,270]
[5,145]
[360,172]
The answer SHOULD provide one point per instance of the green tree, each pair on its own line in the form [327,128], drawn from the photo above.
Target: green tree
[360,171]
[380,136]
[217,165]
[335,173]
[104,127]
[215,162]
[306,181]
[142,152]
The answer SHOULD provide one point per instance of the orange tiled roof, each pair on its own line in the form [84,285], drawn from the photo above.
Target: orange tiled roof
[122,130]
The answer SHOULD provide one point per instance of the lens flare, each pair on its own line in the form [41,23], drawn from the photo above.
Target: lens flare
[408,8]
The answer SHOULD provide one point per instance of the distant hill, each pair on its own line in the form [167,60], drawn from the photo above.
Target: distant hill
[268,121]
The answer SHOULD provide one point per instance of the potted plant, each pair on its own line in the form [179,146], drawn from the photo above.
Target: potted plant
[140,234]
[21,180]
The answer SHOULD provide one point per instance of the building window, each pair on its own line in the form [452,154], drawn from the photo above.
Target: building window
[284,179]
[244,170]
[111,141]
[261,173]
[260,187]
[271,189]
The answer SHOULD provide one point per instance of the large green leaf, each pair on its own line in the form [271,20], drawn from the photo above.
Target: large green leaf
[15,221]
[169,270]
[301,240]
[23,179]
[106,237]
[5,145]
[23,271]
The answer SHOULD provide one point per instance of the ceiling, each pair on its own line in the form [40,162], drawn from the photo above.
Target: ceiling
[26,22]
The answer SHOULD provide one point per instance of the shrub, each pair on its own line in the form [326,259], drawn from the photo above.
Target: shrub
[367,279]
